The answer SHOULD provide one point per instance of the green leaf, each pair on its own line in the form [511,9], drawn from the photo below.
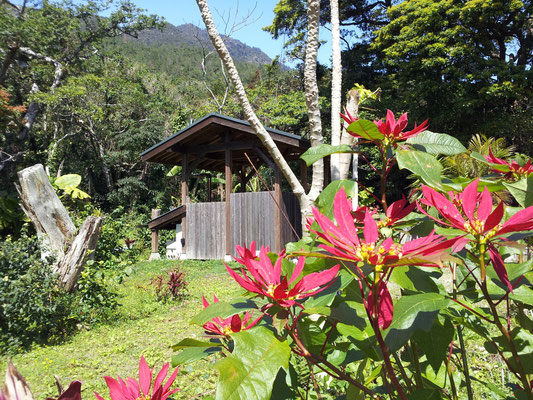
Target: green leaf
[325,199]
[191,354]
[174,170]
[437,143]
[413,313]
[522,190]
[69,181]
[250,371]
[425,394]
[315,153]
[417,279]
[223,309]
[436,343]
[185,343]
[326,297]
[366,129]
[424,165]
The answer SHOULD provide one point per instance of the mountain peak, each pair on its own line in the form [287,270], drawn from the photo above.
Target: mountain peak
[193,36]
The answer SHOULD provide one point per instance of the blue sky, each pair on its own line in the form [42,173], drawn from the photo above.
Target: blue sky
[179,12]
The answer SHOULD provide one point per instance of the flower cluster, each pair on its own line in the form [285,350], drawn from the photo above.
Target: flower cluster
[472,213]
[512,170]
[262,277]
[345,241]
[392,130]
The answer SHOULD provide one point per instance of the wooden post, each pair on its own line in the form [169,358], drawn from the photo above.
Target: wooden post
[184,199]
[154,255]
[228,184]
[209,195]
[303,175]
[277,215]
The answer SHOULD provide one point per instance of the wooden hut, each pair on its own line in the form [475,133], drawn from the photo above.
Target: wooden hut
[211,230]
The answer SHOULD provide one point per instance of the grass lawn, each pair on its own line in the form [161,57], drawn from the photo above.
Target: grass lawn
[142,326]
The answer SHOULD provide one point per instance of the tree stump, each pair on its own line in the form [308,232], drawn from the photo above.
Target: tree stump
[55,229]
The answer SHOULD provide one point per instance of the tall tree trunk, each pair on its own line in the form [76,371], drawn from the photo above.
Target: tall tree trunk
[336,88]
[352,106]
[218,43]
[311,92]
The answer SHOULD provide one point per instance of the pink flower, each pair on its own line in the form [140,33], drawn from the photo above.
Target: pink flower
[140,390]
[226,327]
[265,279]
[472,213]
[514,171]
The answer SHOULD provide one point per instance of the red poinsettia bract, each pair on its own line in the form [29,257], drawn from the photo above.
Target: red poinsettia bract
[226,327]
[344,242]
[265,279]
[131,389]
[394,130]
[472,213]
[515,170]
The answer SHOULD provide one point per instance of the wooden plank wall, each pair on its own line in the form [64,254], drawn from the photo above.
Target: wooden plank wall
[252,218]
[206,231]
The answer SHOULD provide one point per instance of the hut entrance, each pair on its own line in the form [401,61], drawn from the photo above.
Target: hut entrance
[211,230]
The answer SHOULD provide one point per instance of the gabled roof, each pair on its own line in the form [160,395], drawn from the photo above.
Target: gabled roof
[206,140]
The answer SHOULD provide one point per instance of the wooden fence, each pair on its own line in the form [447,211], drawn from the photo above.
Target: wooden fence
[252,219]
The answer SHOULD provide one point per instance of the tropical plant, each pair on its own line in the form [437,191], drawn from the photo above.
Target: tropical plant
[329,300]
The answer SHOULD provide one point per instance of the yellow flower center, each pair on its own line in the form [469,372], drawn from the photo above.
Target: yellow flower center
[271,289]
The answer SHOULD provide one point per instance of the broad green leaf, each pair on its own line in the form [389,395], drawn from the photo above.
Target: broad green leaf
[366,129]
[191,354]
[424,165]
[523,341]
[325,199]
[522,190]
[425,394]
[79,194]
[417,279]
[413,313]
[282,389]
[436,343]
[315,153]
[68,181]
[249,373]
[326,297]
[185,343]
[223,309]
[437,143]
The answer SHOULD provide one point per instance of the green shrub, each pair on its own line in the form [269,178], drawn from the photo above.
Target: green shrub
[33,309]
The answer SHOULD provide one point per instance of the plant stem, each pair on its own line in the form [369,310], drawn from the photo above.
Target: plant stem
[461,341]
[384,180]
[465,364]
[315,359]
[416,364]
[506,334]
[388,364]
